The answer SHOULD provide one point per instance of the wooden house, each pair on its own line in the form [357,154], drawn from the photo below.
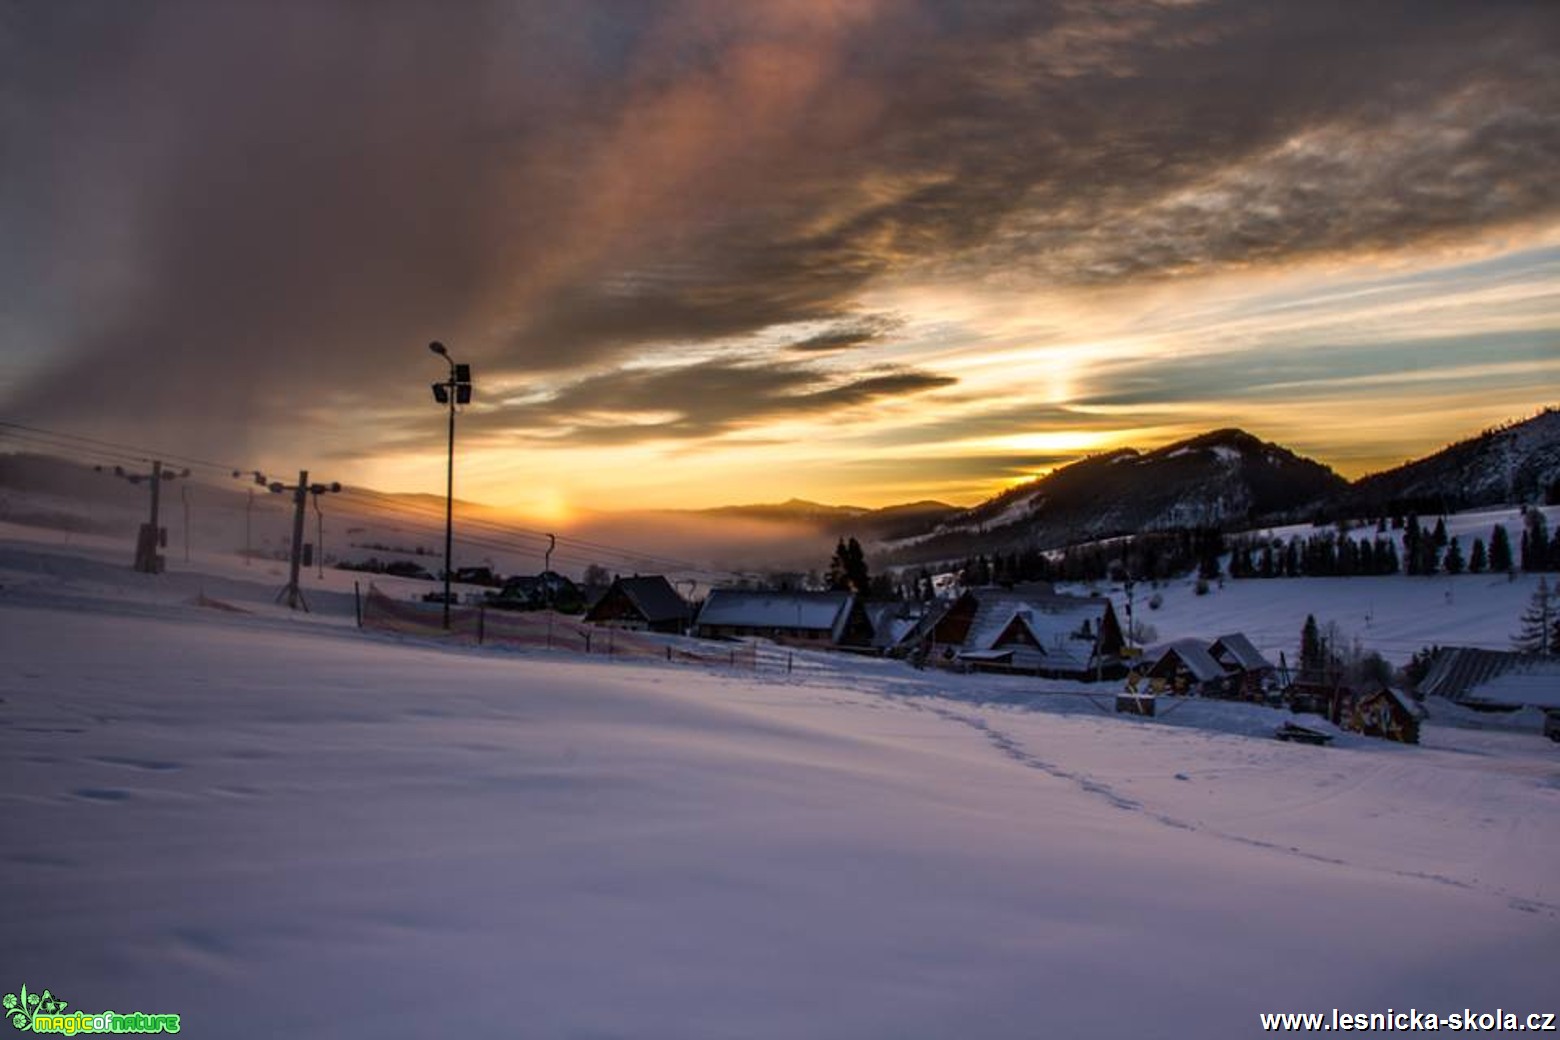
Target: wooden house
[805,618]
[1185,667]
[1029,630]
[1386,713]
[548,590]
[1493,680]
[1250,672]
[646,603]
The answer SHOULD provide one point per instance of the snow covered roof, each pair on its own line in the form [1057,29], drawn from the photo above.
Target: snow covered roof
[806,611]
[1536,686]
[1196,658]
[892,622]
[1055,620]
[1406,702]
[1470,675]
[1237,650]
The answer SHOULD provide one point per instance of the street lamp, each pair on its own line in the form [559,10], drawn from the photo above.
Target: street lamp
[455,390]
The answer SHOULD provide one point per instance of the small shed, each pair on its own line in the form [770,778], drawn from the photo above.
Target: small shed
[646,603]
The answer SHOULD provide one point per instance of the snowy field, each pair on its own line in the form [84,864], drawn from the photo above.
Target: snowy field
[277,825]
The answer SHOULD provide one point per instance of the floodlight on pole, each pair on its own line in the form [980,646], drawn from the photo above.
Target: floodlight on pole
[455,390]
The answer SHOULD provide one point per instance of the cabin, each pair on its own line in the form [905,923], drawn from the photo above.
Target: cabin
[1493,680]
[1186,668]
[644,604]
[1029,630]
[1250,672]
[892,624]
[548,590]
[800,618]
[1386,713]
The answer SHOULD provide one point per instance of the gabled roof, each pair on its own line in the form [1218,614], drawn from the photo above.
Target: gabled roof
[1195,657]
[654,597]
[1237,650]
[1054,619]
[805,611]
[892,622]
[1404,701]
[1462,673]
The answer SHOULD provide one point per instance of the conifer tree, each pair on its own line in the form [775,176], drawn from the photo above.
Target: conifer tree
[1535,542]
[1478,562]
[1454,558]
[1311,650]
[1500,549]
[1539,623]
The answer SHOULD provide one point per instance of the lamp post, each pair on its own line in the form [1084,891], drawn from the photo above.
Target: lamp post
[455,390]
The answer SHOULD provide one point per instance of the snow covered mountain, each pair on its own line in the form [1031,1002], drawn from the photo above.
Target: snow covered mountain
[1213,479]
[1516,463]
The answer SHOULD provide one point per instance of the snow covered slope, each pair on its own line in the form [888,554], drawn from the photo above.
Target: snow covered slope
[279,826]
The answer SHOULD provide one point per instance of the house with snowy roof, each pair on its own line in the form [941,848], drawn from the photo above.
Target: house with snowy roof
[1493,680]
[1031,630]
[647,603]
[1186,667]
[1248,669]
[813,618]
[893,623]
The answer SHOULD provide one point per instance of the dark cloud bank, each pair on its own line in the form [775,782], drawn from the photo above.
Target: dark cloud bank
[214,210]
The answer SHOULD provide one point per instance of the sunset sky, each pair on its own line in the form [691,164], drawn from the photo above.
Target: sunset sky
[708,252]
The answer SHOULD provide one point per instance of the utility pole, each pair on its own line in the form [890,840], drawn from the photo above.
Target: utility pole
[152,535]
[301,491]
[453,391]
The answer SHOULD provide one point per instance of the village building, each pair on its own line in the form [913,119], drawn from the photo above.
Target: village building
[1250,672]
[548,590]
[648,603]
[1186,668]
[1031,630]
[1493,680]
[808,618]
[1387,713]
[893,623]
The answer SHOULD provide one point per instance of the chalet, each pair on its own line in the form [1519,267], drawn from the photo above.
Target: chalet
[544,591]
[1249,671]
[820,618]
[1387,713]
[1186,667]
[892,624]
[642,603]
[1031,630]
[1493,680]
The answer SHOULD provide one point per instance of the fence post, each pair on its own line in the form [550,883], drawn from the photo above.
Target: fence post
[357,603]
[587,642]
[787,664]
[481,623]
[668,651]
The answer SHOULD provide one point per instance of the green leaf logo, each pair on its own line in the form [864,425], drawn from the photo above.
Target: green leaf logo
[22,1008]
